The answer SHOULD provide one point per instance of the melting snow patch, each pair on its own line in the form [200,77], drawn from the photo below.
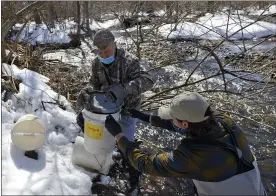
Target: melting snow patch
[215,27]
[53,173]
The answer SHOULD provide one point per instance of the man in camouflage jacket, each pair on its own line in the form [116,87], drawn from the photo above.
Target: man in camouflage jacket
[119,74]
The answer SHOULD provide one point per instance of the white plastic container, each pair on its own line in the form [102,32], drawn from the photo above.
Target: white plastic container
[28,133]
[82,158]
[97,140]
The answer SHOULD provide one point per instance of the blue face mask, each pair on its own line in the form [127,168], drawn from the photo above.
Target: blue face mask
[108,60]
[180,130]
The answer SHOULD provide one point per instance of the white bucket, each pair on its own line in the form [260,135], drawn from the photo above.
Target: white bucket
[82,158]
[97,140]
[28,133]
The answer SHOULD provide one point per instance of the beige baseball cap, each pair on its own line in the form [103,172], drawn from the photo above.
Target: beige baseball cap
[189,106]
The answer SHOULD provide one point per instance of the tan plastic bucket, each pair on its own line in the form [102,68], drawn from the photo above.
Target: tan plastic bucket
[28,133]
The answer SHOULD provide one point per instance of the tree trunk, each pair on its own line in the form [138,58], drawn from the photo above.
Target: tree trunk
[52,15]
[138,50]
[210,6]
[176,15]
[37,18]
[78,18]
[169,9]
[65,10]
[7,25]
[86,15]
[12,7]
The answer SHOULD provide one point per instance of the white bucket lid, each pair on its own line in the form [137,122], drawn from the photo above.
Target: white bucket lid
[28,133]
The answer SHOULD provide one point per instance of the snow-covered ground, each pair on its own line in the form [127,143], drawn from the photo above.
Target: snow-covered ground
[251,45]
[72,56]
[216,27]
[211,27]
[40,33]
[104,25]
[53,173]
[252,11]
[34,34]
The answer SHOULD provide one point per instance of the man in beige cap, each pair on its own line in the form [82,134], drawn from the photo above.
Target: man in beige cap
[215,153]
[120,75]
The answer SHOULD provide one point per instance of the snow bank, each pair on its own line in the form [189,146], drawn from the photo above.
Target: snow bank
[215,28]
[72,57]
[271,10]
[39,34]
[33,87]
[81,57]
[160,13]
[96,25]
[253,11]
[53,173]
[238,47]
[207,27]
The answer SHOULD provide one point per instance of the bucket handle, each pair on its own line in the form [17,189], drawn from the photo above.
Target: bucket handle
[29,134]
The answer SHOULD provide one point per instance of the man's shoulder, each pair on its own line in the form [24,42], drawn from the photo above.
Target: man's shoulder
[230,123]
[95,62]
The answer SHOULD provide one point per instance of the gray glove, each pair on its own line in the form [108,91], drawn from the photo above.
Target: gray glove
[117,93]
[83,98]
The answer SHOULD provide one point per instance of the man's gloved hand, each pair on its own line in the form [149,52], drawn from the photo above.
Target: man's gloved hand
[117,93]
[140,115]
[112,126]
[83,98]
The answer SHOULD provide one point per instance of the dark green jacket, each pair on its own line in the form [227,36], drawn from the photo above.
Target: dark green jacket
[190,159]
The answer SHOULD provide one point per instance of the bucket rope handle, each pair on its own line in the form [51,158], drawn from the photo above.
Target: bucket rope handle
[99,162]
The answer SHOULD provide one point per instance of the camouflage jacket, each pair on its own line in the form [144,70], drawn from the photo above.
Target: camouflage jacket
[193,158]
[126,69]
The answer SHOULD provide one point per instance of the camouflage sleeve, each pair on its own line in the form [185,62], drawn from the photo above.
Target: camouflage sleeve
[94,80]
[139,80]
[173,164]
